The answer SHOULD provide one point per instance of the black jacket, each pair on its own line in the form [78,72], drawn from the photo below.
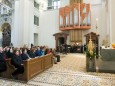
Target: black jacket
[3,66]
[9,54]
[24,56]
[31,54]
[16,60]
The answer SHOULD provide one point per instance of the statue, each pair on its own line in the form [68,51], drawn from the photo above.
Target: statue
[6,35]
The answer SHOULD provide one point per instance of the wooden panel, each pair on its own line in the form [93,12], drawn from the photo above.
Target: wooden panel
[48,61]
[71,2]
[9,70]
[36,66]
[76,36]
[75,1]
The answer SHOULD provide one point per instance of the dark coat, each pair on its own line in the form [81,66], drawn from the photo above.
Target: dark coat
[31,54]
[9,54]
[38,52]
[24,56]
[3,66]
[16,60]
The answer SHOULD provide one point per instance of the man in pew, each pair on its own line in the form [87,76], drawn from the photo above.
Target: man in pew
[24,54]
[17,62]
[31,52]
[3,66]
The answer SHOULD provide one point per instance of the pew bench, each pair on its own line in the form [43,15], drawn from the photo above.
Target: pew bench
[32,67]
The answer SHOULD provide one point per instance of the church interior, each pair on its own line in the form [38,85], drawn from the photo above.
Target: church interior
[57,43]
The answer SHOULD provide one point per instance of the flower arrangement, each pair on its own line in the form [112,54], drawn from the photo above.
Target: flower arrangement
[90,51]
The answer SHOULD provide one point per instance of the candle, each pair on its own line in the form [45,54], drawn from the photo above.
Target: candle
[96,21]
[96,25]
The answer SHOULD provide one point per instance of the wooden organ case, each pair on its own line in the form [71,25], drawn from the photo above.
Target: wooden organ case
[76,16]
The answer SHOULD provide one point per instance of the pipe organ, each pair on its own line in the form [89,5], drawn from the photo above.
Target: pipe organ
[75,18]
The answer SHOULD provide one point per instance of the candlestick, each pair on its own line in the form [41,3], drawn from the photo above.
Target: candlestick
[96,25]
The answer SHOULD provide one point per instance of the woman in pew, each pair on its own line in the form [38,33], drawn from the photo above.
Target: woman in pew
[49,51]
[17,61]
[24,54]
[3,66]
[38,51]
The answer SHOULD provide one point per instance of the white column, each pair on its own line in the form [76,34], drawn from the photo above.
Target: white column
[109,28]
[17,30]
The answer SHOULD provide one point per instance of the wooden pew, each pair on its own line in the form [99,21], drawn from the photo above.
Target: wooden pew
[9,71]
[36,66]
[32,67]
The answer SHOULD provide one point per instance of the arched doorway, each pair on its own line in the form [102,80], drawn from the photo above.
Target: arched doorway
[6,34]
[61,41]
[61,38]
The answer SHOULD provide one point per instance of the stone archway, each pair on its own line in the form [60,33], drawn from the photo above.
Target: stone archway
[6,34]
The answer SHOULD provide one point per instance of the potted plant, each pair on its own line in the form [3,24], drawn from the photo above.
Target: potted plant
[90,56]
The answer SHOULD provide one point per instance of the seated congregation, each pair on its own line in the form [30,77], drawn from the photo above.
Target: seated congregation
[26,63]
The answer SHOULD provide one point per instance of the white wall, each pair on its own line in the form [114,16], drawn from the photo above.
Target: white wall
[64,3]
[93,1]
[24,28]
[97,11]
[112,14]
[17,31]
[49,25]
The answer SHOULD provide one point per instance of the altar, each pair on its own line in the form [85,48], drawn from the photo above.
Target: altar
[107,54]
[106,62]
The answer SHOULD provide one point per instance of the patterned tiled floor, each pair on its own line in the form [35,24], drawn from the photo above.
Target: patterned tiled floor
[69,72]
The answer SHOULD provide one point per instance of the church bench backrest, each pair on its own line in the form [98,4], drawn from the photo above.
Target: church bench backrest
[36,65]
[32,67]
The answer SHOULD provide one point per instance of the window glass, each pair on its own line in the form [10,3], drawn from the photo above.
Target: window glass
[36,20]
